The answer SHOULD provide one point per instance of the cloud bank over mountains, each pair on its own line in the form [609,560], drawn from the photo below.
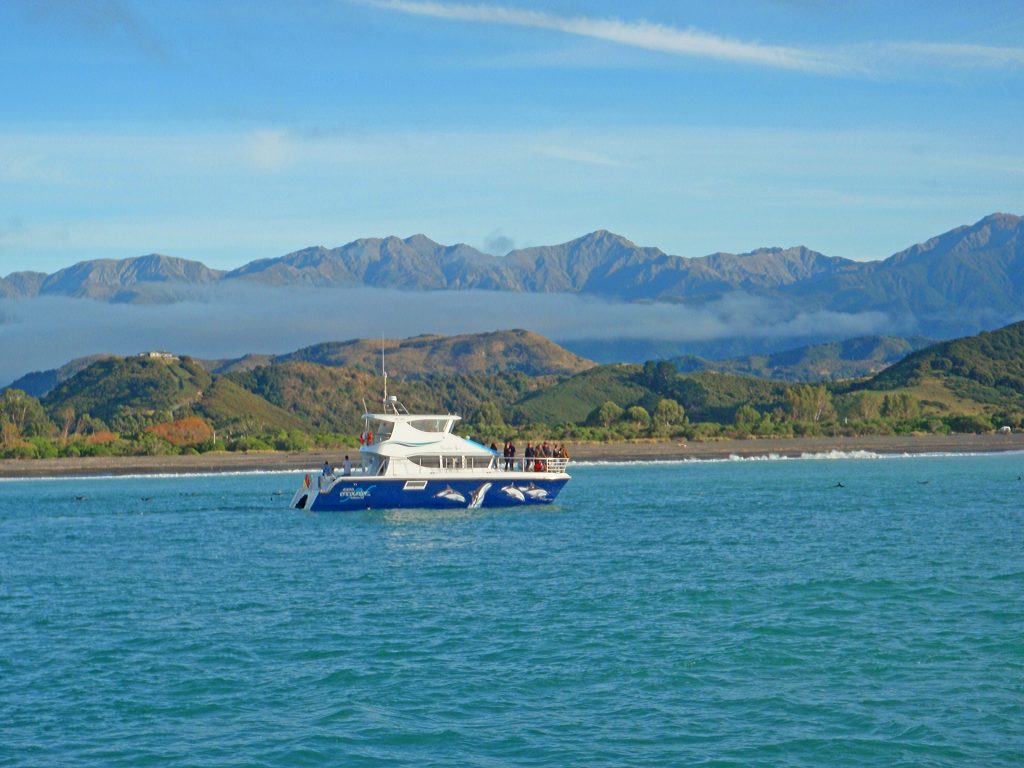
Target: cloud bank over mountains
[601,295]
[222,322]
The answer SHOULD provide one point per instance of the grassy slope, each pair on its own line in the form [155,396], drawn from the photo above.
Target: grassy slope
[986,369]
[225,404]
[331,398]
[573,399]
[477,353]
[833,361]
[141,384]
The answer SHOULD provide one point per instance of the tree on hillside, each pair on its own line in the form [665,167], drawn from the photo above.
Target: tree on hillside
[746,419]
[639,416]
[25,414]
[609,413]
[810,404]
[489,415]
[867,406]
[67,422]
[667,413]
[900,406]
[658,376]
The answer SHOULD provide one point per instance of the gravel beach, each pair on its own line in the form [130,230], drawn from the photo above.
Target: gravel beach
[646,450]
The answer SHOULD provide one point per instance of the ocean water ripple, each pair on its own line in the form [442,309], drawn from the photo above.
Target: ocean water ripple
[716,613]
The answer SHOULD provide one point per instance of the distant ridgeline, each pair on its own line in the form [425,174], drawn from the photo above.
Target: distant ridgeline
[968,279]
[507,384]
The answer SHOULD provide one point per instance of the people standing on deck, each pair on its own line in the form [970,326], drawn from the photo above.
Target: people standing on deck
[346,466]
[325,474]
[528,454]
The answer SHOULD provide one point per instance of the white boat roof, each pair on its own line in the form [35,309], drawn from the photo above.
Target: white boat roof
[400,418]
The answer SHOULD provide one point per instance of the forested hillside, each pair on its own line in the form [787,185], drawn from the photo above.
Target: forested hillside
[162,403]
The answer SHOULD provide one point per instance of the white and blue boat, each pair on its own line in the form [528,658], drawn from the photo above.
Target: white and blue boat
[417,461]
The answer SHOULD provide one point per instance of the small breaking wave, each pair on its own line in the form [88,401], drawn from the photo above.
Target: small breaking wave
[157,475]
[834,454]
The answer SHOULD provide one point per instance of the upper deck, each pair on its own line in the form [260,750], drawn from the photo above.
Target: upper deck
[397,442]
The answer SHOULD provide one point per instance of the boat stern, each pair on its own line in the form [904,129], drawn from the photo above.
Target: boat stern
[303,498]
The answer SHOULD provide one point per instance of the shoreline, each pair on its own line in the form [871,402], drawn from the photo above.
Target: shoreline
[640,450]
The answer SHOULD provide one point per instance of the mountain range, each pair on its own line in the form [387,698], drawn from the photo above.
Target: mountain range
[964,280]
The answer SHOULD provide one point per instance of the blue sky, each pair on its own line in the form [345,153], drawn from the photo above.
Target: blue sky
[231,131]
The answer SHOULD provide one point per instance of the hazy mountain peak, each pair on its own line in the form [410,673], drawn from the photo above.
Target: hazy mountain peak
[1006,220]
[106,278]
[996,233]
[602,237]
[21,284]
[421,241]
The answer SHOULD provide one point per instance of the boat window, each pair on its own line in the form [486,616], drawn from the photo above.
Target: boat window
[430,462]
[382,430]
[414,485]
[429,425]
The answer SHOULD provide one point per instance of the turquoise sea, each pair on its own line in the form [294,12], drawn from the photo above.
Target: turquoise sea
[733,613]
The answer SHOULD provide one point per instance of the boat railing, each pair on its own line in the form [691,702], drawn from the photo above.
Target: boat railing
[324,482]
[454,464]
[533,464]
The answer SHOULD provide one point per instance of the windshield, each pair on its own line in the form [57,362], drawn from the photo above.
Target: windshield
[430,425]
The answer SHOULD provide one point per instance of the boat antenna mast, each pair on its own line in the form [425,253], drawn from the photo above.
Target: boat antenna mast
[384,373]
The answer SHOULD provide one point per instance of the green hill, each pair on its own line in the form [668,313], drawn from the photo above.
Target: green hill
[229,407]
[40,383]
[704,396]
[573,399]
[142,390]
[968,384]
[145,385]
[987,368]
[332,399]
[833,361]
[475,353]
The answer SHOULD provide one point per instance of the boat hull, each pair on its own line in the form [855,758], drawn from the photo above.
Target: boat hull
[436,493]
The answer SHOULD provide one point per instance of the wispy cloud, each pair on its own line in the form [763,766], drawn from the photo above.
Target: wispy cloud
[498,243]
[580,156]
[637,34]
[961,55]
[105,20]
[857,59]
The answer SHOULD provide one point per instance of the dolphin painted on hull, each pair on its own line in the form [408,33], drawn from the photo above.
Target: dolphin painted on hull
[534,492]
[477,497]
[513,492]
[451,495]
